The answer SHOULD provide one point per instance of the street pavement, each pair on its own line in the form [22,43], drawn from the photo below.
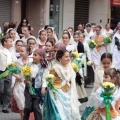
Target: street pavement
[16,116]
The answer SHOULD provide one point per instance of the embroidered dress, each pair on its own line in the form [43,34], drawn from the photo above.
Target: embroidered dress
[66,100]
[114,110]
[92,103]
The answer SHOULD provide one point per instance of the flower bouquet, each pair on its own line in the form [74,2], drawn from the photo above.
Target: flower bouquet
[11,68]
[50,78]
[74,66]
[89,63]
[92,44]
[109,89]
[27,74]
[107,40]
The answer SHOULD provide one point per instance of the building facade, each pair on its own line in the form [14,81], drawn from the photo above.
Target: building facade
[60,14]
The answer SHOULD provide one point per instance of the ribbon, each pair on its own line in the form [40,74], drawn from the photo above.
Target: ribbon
[32,90]
[54,90]
[107,100]
[107,40]
[9,70]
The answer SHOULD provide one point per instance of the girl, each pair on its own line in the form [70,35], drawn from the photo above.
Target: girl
[12,33]
[38,83]
[32,44]
[66,42]
[88,32]
[66,100]
[26,31]
[18,45]
[78,44]
[42,38]
[110,75]
[101,48]
[115,48]
[71,31]
[106,63]
[88,70]
[18,90]
[51,33]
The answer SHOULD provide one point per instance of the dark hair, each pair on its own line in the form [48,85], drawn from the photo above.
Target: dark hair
[112,72]
[46,26]
[93,23]
[28,27]
[11,29]
[70,28]
[20,25]
[12,25]
[31,38]
[18,41]
[60,53]
[4,39]
[106,55]
[106,25]
[50,41]
[67,34]
[76,33]
[50,29]
[81,24]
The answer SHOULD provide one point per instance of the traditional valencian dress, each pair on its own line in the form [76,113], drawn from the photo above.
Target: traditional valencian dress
[100,112]
[98,51]
[92,103]
[64,105]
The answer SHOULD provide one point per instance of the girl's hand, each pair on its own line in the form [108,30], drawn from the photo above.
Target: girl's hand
[27,82]
[18,77]
[43,91]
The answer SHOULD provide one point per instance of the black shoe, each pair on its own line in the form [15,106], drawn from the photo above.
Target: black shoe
[5,111]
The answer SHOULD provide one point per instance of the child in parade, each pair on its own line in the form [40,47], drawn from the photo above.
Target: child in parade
[101,47]
[42,38]
[6,57]
[26,31]
[38,83]
[106,62]
[19,87]
[32,44]
[115,48]
[18,45]
[64,104]
[110,75]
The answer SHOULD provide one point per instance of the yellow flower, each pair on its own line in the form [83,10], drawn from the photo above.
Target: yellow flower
[89,63]
[106,84]
[27,70]
[75,54]
[50,78]
[92,41]
[74,66]
[11,65]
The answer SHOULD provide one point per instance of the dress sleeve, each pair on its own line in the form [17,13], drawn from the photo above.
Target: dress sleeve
[45,73]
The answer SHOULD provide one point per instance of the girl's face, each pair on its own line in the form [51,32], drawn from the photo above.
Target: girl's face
[25,31]
[65,58]
[48,47]
[49,33]
[23,52]
[98,30]
[88,29]
[81,38]
[36,58]
[80,27]
[106,62]
[13,34]
[32,44]
[71,31]
[18,46]
[9,43]
[24,23]
[66,39]
[107,78]
[43,36]
[76,38]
